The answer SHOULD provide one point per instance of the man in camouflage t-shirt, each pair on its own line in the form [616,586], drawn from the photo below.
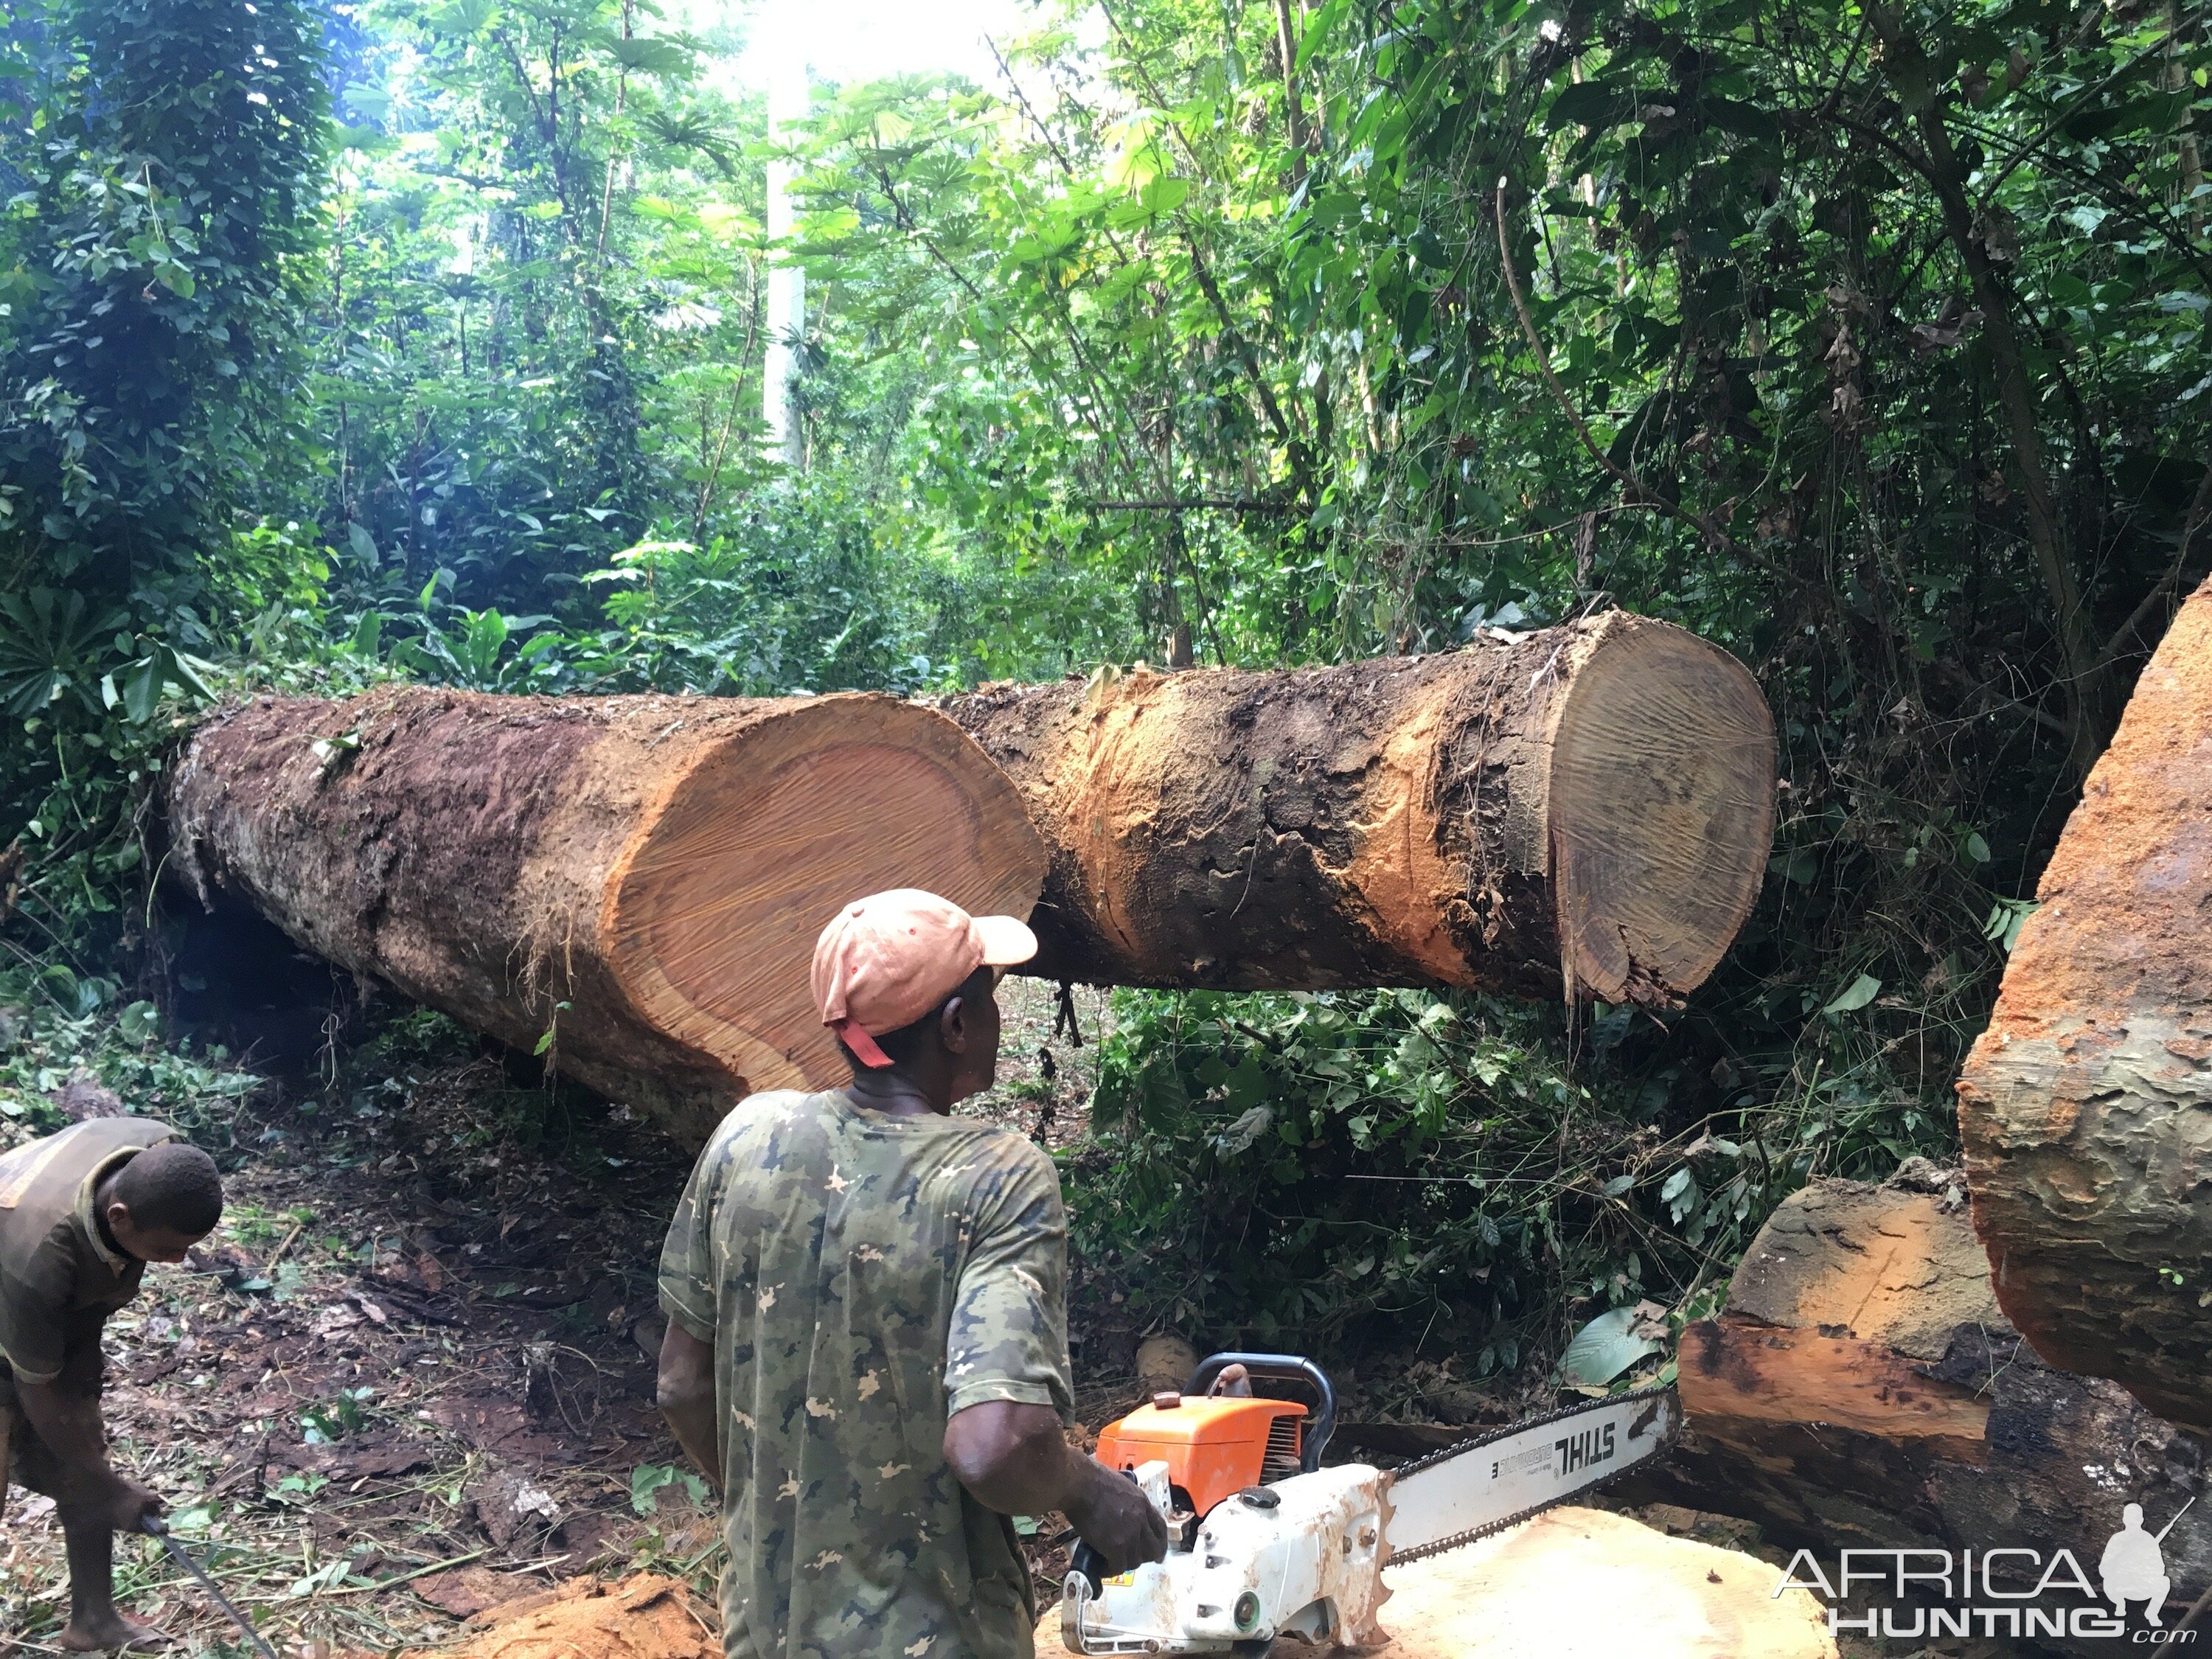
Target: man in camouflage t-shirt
[867,1322]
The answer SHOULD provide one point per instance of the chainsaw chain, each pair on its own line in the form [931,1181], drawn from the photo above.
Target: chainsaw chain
[1651,1460]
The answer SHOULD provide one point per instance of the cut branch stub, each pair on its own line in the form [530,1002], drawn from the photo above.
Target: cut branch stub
[641,877]
[1583,809]
[2086,1106]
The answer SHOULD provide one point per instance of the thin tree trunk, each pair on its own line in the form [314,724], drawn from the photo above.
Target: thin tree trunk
[2084,688]
[1287,37]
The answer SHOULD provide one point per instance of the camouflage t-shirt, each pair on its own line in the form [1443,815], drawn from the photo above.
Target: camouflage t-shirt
[862,1277]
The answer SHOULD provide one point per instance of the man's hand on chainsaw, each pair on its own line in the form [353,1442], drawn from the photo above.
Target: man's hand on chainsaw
[1014,1459]
[1113,1516]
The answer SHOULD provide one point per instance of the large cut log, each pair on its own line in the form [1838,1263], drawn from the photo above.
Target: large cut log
[1583,809]
[1861,1389]
[642,877]
[2087,1105]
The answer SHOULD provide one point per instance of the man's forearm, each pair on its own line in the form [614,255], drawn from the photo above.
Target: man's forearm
[692,1421]
[1015,1460]
[686,1394]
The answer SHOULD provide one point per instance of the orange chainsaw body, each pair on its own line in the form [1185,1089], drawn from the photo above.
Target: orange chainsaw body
[1214,1446]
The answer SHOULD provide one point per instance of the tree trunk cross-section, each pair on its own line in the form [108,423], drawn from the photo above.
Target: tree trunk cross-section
[1862,1389]
[1583,810]
[642,877]
[2085,1108]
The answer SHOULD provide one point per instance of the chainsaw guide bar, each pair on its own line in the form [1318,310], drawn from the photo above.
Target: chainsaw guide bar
[1658,1415]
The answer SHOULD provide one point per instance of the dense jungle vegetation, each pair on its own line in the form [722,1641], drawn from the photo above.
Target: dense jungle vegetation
[425,339]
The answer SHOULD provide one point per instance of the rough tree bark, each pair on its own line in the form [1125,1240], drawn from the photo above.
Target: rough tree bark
[635,882]
[1862,1388]
[1583,810]
[2087,1106]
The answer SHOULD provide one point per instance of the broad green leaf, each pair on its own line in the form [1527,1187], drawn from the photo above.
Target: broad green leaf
[1855,995]
[1603,1349]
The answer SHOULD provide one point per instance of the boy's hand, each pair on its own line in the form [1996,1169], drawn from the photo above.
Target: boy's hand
[126,1506]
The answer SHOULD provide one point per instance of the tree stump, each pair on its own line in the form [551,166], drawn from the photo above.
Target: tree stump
[1862,1388]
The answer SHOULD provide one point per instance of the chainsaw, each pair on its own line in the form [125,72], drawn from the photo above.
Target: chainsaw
[1263,1541]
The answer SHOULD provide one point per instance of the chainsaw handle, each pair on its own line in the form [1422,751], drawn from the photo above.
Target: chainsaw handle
[1284,1367]
[1087,1561]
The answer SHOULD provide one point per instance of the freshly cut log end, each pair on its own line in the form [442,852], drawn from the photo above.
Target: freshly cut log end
[814,811]
[2086,1106]
[1662,808]
[1582,812]
[1861,1389]
[635,882]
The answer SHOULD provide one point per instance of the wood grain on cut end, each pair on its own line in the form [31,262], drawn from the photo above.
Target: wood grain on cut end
[1861,1388]
[713,913]
[1661,810]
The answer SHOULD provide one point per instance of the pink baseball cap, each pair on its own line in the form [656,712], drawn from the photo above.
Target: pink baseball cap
[886,960]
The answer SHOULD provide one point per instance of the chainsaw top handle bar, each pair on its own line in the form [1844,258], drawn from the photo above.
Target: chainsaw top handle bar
[1283,1367]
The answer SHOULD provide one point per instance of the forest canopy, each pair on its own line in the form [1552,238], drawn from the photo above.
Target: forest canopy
[394,339]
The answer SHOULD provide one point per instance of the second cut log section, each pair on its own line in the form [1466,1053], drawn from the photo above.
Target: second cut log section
[2086,1106]
[1583,810]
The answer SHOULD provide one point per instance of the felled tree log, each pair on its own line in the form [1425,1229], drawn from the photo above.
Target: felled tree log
[1583,810]
[2087,1105]
[1862,1388]
[635,883]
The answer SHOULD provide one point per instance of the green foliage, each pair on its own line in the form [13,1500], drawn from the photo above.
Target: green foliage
[57,1025]
[1872,345]
[1339,1163]
[329,1421]
[648,1480]
[158,251]
[152,268]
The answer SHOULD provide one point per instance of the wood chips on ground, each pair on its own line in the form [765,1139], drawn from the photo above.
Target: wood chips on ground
[645,1616]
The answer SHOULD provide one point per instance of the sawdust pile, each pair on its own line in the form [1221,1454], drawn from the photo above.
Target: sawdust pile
[642,1617]
[1581,1584]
